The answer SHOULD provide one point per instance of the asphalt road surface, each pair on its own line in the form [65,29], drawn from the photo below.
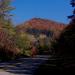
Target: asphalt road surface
[22,66]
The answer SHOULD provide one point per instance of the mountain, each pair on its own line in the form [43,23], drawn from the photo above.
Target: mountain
[38,25]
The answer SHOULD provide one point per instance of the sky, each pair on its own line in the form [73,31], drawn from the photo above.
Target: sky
[56,10]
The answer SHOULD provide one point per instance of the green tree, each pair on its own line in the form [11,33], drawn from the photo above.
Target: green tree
[24,43]
[5,16]
[5,8]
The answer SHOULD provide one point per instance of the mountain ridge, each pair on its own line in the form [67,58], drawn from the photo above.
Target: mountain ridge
[41,24]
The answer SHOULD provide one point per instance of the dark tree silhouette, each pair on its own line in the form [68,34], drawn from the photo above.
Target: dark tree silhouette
[65,45]
[64,60]
[73,3]
[72,17]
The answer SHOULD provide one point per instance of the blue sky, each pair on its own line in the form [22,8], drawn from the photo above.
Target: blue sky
[57,10]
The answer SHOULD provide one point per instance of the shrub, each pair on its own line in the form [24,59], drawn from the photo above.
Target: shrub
[24,43]
[8,48]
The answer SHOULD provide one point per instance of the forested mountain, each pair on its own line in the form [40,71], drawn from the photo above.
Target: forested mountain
[38,26]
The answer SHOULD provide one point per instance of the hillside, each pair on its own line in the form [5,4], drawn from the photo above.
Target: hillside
[41,24]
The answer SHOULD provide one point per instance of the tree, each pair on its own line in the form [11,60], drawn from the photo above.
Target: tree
[64,49]
[72,17]
[5,9]
[8,46]
[65,45]
[23,41]
[5,16]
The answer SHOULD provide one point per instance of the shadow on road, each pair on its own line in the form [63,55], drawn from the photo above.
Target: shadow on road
[22,66]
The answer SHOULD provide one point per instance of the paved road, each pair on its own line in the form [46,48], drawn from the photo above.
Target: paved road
[22,66]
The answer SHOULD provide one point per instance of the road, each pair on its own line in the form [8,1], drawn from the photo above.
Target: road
[22,66]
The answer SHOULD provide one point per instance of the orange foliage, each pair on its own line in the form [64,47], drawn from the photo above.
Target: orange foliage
[42,24]
[7,44]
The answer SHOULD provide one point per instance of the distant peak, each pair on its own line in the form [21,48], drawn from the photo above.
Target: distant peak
[42,24]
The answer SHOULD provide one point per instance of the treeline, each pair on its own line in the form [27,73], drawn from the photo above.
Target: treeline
[12,44]
[63,60]
[65,44]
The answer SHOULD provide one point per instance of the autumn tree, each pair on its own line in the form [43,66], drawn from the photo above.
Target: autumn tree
[23,41]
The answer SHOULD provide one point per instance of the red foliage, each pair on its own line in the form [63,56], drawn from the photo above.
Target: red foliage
[33,51]
[42,24]
[7,44]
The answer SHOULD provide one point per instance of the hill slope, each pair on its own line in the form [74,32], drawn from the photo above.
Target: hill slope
[41,24]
